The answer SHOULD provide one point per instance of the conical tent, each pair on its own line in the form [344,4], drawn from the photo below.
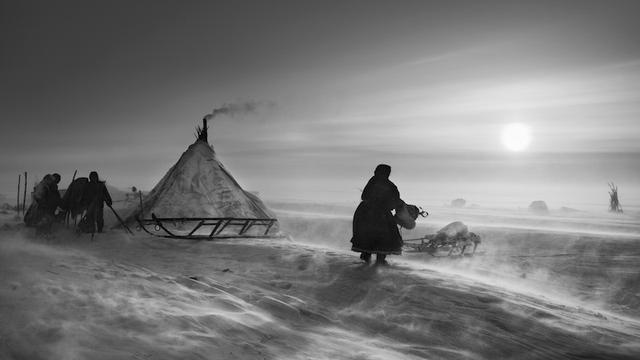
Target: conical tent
[199,189]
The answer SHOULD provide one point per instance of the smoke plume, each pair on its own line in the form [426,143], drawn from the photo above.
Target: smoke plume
[236,109]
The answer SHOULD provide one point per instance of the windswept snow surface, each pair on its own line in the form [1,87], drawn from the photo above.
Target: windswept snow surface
[533,294]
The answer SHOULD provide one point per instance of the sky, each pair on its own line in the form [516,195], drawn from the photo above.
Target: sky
[330,89]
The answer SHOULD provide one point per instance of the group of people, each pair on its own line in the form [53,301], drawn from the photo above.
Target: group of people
[88,199]
[375,229]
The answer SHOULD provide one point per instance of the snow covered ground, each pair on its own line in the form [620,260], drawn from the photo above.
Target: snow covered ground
[565,286]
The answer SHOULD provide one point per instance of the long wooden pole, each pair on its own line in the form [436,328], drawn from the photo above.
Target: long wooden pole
[24,196]
[141,209]
[120,219]
[18,199]
[67,213]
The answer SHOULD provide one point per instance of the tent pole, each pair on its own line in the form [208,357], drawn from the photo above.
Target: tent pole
[18,199]
[24,196]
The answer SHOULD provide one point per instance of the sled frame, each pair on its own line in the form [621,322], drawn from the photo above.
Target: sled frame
[241,225]
[455,247]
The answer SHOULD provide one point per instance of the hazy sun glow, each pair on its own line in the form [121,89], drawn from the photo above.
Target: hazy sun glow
[516,136]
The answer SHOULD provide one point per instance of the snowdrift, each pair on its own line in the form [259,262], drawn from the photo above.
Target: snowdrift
[148,298]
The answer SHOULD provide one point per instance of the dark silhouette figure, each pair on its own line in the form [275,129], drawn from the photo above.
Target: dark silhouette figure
[374,228]
[96,195]
[73,201]
[53,199]
[46,199]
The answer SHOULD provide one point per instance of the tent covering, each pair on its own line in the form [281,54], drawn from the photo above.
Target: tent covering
[198,186]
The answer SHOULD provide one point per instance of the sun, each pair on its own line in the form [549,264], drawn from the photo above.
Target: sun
[516,136]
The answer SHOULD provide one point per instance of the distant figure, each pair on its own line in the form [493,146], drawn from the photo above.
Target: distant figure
[46,199]
[614,202]
[374,228]
[95,195]
[539,207]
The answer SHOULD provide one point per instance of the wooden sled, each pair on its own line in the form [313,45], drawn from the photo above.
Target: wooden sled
[438,244]
[206,228]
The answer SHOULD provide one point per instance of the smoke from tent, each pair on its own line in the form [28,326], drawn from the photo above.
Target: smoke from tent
[238,109]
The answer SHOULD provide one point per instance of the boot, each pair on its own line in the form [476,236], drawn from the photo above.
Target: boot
[380,259]
[366,257]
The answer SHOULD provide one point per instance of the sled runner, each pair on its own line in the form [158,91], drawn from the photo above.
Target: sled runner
[207,228]
[433,245]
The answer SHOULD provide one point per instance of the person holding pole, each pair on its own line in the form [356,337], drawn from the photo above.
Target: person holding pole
[97,195]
